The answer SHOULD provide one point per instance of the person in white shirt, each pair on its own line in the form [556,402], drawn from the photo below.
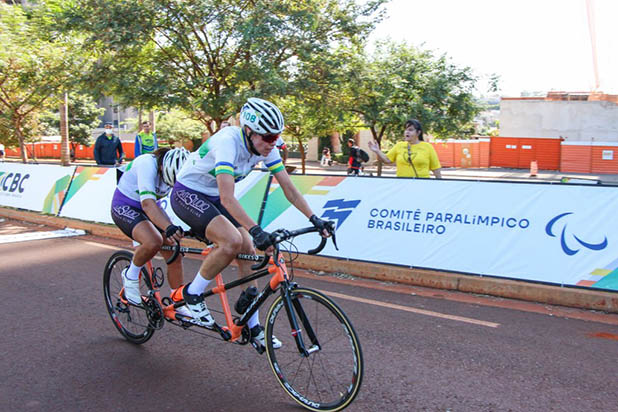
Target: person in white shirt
[203,197]
[135,211]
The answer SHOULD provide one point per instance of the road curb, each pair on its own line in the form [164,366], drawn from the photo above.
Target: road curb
[555,295]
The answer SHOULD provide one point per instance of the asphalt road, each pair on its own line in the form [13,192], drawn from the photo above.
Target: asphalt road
[424,350]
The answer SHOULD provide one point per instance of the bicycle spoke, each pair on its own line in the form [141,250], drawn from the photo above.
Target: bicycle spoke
[131,321]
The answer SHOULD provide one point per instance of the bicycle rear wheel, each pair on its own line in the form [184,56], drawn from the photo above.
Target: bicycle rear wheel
[131,321]
[331,376]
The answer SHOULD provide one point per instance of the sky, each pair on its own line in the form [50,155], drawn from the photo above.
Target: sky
[533,45]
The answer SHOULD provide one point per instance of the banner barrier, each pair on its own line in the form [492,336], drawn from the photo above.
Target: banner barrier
[40,188]
[560,234]
[89,196]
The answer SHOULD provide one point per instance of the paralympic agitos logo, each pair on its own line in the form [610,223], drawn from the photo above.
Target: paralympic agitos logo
[549,229]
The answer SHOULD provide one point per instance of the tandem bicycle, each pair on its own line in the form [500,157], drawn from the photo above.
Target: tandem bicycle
[320,363]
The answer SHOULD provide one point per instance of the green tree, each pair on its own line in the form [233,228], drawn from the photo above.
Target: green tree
[315,105]
[36,66]
[178,126]
[208,56]
[84,116]
[399,81]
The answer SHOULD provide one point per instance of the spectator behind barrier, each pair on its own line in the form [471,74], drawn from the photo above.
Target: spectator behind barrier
[108,148]
[413,157]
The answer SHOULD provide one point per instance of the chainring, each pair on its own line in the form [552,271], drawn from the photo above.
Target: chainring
[154,313]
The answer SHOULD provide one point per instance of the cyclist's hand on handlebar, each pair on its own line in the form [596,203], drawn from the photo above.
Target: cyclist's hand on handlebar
[174,233]
[261,239]
[325,226]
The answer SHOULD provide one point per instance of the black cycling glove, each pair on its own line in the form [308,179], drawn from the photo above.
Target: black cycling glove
[320,223]
[171,229]
[261,239]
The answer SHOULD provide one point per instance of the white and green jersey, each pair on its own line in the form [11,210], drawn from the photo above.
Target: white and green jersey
[141,181]
[227,151]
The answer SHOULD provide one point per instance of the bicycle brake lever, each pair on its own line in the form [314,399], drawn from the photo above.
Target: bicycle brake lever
[334,240]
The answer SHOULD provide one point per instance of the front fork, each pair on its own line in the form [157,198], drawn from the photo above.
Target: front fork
[295,313]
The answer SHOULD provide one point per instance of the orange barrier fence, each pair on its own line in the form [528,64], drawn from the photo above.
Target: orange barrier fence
[591,157]
[463,153]
[511,152]
[52,151]
[520,152]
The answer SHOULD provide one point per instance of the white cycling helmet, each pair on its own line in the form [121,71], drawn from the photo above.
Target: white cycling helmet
[172,162]
[261,116]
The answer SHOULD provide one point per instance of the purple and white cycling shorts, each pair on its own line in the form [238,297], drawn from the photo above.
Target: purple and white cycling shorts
[197,209]
[126,213]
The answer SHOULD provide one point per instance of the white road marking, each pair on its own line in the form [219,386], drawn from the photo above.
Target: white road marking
[24,237]
[373,302]
[413,310]
[104,246]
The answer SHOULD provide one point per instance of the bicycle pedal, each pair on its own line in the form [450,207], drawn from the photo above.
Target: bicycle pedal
[225,334]
[258,347]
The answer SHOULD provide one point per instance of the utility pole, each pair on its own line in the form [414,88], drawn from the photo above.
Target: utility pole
[593,41]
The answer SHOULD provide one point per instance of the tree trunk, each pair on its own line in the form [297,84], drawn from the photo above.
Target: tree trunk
[65,153]
[379,142]
[302,154]
[152,119]
[20,138]
[335,143]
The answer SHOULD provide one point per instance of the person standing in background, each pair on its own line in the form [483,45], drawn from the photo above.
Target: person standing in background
[413,157]
[108,148]
[354,161]
[1,152]
[146,140]
[326,159]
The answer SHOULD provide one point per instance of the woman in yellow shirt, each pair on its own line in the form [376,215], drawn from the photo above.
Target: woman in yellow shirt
[413,157]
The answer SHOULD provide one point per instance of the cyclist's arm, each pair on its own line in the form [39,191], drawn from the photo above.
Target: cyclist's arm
[155,213]
[225,183]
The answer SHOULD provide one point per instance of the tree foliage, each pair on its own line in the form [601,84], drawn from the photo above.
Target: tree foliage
[399,81]
[315,105]
[84,116]
[208,56]
[36,66]
[178,126]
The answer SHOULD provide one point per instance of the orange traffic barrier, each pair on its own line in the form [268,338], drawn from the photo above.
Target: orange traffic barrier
[534,168]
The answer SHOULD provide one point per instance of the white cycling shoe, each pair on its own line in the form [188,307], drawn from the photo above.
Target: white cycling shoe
[131,289]
[198,309]
[257,334]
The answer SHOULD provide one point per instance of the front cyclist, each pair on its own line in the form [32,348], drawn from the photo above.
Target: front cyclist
[203,197]
[137,214]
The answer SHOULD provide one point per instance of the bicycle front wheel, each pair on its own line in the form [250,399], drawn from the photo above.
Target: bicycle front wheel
[131,321]
[329,378]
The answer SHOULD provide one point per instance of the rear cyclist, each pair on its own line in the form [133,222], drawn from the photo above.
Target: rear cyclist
[203,197]
[135,211]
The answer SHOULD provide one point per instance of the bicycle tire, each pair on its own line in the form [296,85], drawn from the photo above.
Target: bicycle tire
[328,379]
[132,322]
